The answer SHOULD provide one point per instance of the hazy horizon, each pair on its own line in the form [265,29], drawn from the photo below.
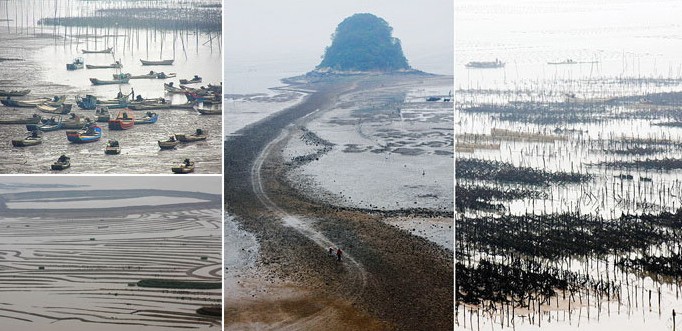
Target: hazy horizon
[264,41]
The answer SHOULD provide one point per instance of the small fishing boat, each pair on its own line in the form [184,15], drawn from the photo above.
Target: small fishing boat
[567,61]
[149,106]
[33,138]
[187,105]
[194,80]
[148,118]
[113,148]
[14,93]
[163,75]
[150,75]
[107,50]
[78,63]
[157,63]
[115,65]
[62,109]
[122,76]
[123,80]
[172,89]
[185,167]
[198,135]
[35,119]
[124,120]
[91,133]
[75,122]
[103,114]
[485,65]
[90,102]
[62,163]
[23,103]
[46,125]
[210,111]
[169,144]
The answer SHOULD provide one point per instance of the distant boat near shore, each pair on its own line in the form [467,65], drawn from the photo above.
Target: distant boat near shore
[107,50]
[157,63]
[570,61]
[485,64]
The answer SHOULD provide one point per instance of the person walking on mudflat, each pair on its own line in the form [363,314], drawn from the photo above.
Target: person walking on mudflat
[339,252]
[331,251]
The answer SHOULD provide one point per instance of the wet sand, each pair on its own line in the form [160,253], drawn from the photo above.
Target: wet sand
[79,270]
[389,279]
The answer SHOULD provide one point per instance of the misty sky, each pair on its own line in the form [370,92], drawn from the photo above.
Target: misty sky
[207,184]
[296,32]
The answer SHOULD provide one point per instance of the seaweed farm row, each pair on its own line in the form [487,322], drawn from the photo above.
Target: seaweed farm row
[568,205]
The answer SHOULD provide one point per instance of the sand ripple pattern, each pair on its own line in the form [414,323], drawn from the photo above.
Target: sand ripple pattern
[59,272]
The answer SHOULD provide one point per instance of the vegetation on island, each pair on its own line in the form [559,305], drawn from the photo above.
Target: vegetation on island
[364,42]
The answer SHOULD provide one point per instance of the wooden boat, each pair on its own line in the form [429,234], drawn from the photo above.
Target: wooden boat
[188,105]
[194,80]
[35,119]
[567,61]
[172,89]
[62,163]
[107,50]
[116,65]
[184,168]
[75,122]
[89,134]
[103,114]
[485,65]
[122,76]
[113,148]
[14,93]
[78,63]
[149,106]
[198,135]
[163,75]
[169,144]
[33,138]
[62,109]
[157,63]
[210,111]
[90,102]
[96,81]
[23,103]
[124,120]
[46,125]
[149,118]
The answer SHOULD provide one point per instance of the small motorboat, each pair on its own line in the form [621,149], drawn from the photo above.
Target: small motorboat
[198,135]
[91,133]
[194,80]
[148,118]
[78,63]
[34,119]
[121,80]
[62,163]
[75,122]
[47,124]
[115,65]
[62,109]
[33,138]
[124,120]
[168,144]
[113,148]
[14,93]
[185,167]
[103,114]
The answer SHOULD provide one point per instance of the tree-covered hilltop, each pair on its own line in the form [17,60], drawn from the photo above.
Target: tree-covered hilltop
[364,42]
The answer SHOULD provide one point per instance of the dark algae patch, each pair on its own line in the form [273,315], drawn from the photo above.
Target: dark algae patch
[179,284]
[364,42]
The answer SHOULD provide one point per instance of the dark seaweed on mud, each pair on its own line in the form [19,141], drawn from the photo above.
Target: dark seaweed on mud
[471,197]
[508,173]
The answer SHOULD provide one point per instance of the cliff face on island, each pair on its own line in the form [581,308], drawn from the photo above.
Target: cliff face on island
[364,42]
